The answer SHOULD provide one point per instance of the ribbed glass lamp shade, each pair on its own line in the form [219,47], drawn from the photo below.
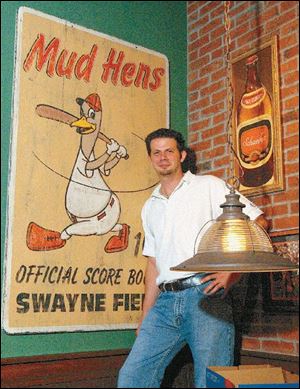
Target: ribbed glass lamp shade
[233,236]
[235,243]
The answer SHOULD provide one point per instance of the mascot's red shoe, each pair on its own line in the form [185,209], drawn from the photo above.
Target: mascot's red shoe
[119,242]
[41,239]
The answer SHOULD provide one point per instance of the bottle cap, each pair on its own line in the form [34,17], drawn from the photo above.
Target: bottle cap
[251,59]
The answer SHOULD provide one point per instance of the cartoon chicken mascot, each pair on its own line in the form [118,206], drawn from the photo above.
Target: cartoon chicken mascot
[91,205]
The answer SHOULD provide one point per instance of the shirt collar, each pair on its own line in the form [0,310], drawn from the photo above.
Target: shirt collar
[187,178]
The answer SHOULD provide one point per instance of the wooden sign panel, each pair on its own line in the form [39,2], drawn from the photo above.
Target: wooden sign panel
[79,175]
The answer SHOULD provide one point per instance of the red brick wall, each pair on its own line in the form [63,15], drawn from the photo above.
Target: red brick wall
[251,22]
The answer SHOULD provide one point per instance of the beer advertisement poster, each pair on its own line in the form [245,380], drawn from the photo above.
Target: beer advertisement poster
[79,175]
[257,125]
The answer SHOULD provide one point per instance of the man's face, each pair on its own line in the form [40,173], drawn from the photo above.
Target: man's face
[165,156]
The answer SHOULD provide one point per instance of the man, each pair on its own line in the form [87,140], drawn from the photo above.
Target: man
[196,308]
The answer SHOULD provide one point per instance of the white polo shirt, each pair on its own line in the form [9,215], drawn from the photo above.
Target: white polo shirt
[172,225]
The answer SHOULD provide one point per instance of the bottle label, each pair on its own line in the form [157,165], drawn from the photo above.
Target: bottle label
[255,142]
[252,99]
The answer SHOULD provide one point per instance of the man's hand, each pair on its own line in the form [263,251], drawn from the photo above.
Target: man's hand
[220,281]
[151,289]
[139,324]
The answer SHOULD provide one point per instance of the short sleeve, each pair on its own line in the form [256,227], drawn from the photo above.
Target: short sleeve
[250,209]
[218,191]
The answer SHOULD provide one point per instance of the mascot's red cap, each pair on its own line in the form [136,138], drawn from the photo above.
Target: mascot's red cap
[93,100]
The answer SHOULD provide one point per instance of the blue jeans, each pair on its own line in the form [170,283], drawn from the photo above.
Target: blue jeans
[204,322]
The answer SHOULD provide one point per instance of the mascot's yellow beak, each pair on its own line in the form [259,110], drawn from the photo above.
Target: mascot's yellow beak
[83,126]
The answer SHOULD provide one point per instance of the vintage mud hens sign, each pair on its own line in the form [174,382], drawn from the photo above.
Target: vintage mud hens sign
[83,104]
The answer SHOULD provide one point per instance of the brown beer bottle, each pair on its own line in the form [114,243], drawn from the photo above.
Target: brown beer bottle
[255,130]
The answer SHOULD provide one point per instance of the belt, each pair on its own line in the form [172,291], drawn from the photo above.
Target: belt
[180,284]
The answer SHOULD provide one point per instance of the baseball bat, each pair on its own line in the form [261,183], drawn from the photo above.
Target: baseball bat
[53,113]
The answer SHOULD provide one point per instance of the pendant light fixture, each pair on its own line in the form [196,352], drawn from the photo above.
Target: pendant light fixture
[233,242]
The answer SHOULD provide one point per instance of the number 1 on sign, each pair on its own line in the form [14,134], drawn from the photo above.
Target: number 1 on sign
[138,239]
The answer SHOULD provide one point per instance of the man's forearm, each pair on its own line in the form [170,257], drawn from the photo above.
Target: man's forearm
[151,289]
[263,222]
